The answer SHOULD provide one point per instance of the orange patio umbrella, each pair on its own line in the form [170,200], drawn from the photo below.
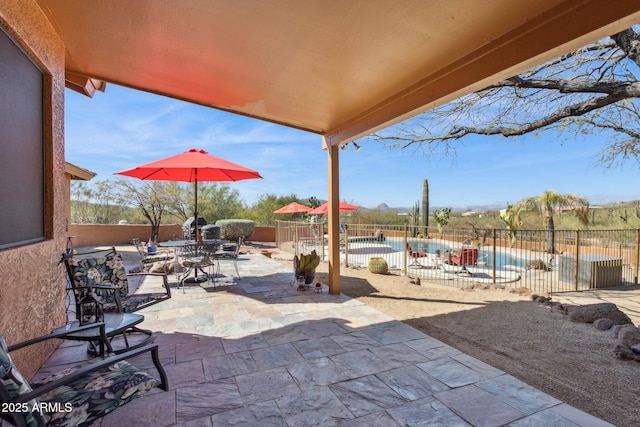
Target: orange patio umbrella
[193,165]
[324,208]
[293,207]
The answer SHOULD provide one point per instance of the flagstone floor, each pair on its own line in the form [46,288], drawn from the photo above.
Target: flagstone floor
[256,351]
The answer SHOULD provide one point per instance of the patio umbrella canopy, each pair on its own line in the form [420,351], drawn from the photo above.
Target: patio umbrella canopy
[293,207]
[324,208]
[194,165]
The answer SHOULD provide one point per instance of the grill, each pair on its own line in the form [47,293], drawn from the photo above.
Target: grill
[189,228]
[210,232]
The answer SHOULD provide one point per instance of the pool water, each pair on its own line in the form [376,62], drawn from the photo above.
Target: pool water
[423,246]
[485,257]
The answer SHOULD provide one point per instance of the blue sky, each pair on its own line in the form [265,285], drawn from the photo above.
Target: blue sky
[122,128]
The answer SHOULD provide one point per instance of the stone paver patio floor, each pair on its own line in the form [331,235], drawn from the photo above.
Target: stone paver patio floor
[256,351]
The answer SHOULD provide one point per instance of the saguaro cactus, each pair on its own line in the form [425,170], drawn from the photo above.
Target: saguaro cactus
[425,203]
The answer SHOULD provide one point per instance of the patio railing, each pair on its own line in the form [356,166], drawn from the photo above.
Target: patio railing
[567,260]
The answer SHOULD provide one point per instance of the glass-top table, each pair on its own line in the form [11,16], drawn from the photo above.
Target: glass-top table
[115,324]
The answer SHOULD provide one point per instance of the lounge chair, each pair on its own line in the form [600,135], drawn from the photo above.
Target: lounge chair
[465,256]
[414,256]
[76,396]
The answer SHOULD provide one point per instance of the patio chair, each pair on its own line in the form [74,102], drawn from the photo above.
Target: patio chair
[106,276]
[147,259]
[414,256]
[465,256]
[75,396]
[194,258]
[230,252]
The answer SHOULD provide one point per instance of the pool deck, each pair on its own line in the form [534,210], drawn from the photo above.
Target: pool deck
[256,351]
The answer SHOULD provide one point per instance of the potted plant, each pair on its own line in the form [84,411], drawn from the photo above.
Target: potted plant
[304,266]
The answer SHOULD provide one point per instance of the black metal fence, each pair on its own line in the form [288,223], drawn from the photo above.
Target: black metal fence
[565,260]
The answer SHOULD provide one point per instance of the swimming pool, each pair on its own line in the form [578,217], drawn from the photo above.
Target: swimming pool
[417,245]
[485,257]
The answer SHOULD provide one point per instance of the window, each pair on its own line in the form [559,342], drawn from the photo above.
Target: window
[22,184]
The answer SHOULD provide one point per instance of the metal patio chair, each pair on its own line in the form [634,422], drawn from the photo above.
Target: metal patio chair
[230,252]
[76,396]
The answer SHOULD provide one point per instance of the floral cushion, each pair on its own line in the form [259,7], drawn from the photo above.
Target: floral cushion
[15,384]
[95,394]
[106,271]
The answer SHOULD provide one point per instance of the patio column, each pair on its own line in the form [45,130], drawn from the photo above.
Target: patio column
[333,215]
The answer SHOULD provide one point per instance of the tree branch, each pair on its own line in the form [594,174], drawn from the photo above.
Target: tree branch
[627,40]
[574,110]
[620,89]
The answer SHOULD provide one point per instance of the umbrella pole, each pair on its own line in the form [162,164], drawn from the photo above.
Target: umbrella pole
[195,214]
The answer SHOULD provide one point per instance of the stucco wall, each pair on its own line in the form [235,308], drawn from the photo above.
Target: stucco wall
[32,283]
[263,234]
[107,235]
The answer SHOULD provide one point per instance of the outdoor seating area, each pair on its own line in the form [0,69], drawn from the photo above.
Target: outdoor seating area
[260,352]
[241,344]
[75,395]
[199,261]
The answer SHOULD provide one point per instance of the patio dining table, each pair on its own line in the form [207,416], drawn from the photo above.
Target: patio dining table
[188,245]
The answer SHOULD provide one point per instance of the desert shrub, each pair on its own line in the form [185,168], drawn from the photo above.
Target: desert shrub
[231,229]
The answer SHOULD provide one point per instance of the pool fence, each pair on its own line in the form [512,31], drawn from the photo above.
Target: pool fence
[540,260]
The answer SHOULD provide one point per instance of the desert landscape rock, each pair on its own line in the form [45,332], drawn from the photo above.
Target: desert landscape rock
[592,312]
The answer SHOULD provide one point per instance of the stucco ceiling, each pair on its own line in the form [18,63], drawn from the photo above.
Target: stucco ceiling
[338,68]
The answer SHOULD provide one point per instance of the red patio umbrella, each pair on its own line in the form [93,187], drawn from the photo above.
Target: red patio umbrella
[324,208]
[193,165]
[293,207]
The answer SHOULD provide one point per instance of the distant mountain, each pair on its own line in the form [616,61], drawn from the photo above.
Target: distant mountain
[477,208]
[482,208]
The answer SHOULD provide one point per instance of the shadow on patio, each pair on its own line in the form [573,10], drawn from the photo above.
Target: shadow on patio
[259,352]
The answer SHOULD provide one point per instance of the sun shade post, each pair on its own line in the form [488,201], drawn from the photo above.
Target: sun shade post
[195,210]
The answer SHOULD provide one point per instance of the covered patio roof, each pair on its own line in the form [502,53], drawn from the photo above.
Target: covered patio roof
[338,68]
[341,69]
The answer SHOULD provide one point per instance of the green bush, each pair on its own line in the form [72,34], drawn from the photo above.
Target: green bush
[231,229]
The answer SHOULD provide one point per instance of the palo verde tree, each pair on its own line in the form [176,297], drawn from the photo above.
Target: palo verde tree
[215,201]
[149,196]
[93,203]
[548,203]
[592,90]
[218,201]
[262,211]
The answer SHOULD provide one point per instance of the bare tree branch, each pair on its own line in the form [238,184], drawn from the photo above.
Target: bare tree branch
[591,90]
